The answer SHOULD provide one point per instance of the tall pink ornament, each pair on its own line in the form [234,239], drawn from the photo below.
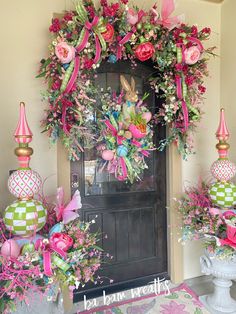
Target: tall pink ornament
[23,136]
[223,169]
[26,215]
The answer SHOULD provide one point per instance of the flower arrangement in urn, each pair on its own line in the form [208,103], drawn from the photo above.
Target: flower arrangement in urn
[86,37]
[208,209]
[125,136]
[63,254]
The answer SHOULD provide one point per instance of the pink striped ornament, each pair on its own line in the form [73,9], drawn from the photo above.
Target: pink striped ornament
[23,134]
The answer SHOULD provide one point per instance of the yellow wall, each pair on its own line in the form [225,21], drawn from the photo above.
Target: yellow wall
[228,70]
[24,39]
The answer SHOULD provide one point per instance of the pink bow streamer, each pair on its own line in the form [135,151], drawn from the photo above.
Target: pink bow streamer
[65,105]
[136,143]
[73,76]
[67,213]
[179,93]
[121,161]
[114,131]
[48,249]
[167,8]
[145,153]
[122,165]
[88,28]
[127,37]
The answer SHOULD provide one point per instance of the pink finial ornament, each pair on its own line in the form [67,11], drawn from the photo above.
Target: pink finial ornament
[223,169]
[222,132]
[23,134]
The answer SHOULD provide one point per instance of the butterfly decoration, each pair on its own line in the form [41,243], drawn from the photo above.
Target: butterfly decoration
[69,212]
[141,309]
[168,21]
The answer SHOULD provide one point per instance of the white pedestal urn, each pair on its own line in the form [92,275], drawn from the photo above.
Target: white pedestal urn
[223,271]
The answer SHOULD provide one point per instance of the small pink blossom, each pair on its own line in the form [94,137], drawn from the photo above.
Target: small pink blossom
[192,55]
[132,16]
[64,52]
[55,27]
[202,89]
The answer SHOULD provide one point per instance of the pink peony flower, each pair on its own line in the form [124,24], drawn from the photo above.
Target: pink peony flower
[144,51]
[61,241]
[192,55]
[132,17]
[64,52]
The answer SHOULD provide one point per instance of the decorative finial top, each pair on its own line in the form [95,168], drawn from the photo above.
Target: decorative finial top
[222,132]
[23,133]
[23,136]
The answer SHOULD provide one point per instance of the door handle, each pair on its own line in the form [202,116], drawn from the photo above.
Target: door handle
[74,180]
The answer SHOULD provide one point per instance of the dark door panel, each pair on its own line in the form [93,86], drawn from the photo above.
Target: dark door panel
[132,216]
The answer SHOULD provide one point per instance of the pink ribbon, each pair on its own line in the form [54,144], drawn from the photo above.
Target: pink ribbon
[114,131]
[82,45]
[178,81]
[145,153]
[168,21]
[47,255]
[136,143]
[73,76]
[122,164]
[185,114]
[179,93]
[127,37]
[65,105]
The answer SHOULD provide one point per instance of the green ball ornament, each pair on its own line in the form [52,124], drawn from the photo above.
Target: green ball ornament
[25,217]
[223,194]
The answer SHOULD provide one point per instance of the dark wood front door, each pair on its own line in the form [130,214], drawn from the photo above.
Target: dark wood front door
[133,217]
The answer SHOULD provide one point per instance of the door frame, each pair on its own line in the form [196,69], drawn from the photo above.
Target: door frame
[174,190]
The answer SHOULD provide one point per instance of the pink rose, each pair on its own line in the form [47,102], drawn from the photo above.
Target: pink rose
[64,52]
[144,51]
[132,17]
[192,55]
[61,241]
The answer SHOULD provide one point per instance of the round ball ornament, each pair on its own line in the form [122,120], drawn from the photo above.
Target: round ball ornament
[223,170]
[122,151]
[25,217]
[223,194]
[10,248]
[24,183]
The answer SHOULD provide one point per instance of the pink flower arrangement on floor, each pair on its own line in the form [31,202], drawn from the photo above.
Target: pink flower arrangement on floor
[86,37]
[202,219]
[65,254]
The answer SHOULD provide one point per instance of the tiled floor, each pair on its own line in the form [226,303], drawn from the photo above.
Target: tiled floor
[203,285]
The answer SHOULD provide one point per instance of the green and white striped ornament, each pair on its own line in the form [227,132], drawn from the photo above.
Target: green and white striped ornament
[25,217]
[223,194]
